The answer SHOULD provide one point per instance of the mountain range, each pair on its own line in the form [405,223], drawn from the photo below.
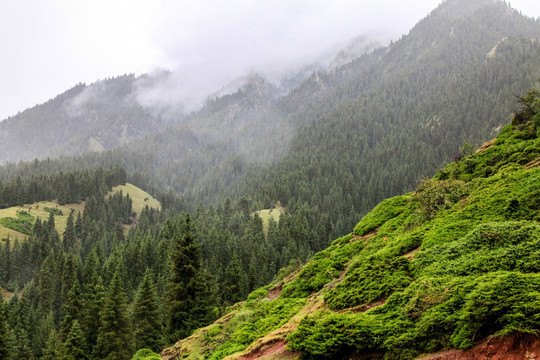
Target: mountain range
[402,109]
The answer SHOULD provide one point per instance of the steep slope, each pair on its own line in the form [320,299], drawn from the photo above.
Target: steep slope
[446,266]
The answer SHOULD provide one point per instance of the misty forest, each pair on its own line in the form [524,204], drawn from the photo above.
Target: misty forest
[382,205]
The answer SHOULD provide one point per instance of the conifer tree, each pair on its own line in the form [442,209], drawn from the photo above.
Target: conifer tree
[72,309]
[70,238]
[234,282]
[146,317]
[187,291]
[114,334]
[74,345]
[52,347]
[5,337]
[91,306]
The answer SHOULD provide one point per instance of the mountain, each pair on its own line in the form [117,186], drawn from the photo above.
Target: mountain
[345,138]
[450,265]
[402,111]
[85,118]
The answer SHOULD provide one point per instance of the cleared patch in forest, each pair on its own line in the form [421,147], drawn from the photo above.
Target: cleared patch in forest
[42,210]
[267,214]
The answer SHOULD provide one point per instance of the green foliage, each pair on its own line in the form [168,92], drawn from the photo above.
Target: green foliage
[146,316]
[329,334]
[434,196]
[114,339]
[54,211]
[145,354]
[475,274]
[23,223]
[386,210]
[369,280]
[325,266]
[226,349]
[256,319]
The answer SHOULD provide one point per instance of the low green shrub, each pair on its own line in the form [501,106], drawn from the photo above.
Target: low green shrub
[370,280]
[23,223]
[145,354]
[54,211]
[386,210]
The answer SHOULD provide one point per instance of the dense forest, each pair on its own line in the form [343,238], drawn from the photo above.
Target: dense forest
[451,265]
[73,282]
[402,111]
[321,154]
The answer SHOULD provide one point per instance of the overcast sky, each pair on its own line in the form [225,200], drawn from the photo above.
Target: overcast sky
[49,46]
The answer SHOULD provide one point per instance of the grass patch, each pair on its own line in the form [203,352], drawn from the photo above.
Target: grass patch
[139,197]
[268,214]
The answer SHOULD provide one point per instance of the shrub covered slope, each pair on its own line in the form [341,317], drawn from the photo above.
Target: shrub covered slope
[452,263]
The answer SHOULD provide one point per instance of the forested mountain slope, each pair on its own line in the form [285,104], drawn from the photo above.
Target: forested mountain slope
[446,266]
[85,118]
[344,139]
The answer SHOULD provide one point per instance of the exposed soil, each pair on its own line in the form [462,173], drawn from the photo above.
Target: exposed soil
[370,234]
[486,146]
[275,292]
[517,347]
[274,350]
[533,164]
[410,255]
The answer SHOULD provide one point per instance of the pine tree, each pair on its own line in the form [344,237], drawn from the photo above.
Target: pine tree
[234,282]
[187,291]
[70,237]
[52,347]
[114,334]
[73,347]
[94,297]
[146,317]
[5,336]
[71,309]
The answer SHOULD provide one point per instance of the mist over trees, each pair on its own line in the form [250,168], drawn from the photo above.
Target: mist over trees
[327,151]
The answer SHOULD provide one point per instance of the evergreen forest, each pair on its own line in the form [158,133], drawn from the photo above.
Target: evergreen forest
[385,208]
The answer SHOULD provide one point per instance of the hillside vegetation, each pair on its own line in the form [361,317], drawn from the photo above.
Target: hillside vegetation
[342,140]
[445,266]
[17,221]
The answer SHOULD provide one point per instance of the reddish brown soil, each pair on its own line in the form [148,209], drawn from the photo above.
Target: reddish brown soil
[370,234]
[509,348]
[533,164]
[275,292]
[486,146]
[274,349]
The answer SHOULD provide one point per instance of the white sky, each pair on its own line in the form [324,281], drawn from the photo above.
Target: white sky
[49,46]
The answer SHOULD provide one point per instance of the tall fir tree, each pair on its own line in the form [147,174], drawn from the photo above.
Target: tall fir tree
[146,316]
[74,346]
[114,334]
[187,299]
[5,336]
[70,238]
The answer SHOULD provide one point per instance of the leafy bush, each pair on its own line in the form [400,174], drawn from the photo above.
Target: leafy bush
[328,334]
[325,266]
[436,195]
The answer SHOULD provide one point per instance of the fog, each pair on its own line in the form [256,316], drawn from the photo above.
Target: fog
[50,46]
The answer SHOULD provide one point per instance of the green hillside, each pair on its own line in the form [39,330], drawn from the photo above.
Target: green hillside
[446,266]
[17,221]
